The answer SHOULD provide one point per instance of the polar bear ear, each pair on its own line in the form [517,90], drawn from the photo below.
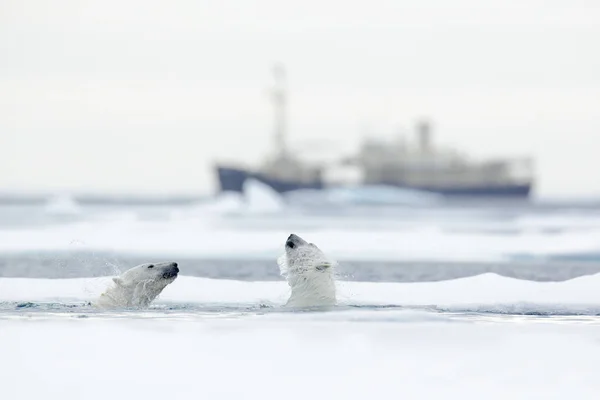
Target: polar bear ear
[323,266]
[118,281]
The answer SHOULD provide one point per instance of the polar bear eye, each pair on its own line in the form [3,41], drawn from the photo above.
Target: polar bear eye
[150,266]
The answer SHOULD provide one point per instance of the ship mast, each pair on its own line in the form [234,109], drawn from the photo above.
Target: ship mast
[279,103]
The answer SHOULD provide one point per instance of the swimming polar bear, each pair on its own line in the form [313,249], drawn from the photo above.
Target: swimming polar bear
[138,286]
[309,273]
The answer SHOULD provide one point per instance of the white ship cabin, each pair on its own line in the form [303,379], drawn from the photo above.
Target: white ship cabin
[423,165]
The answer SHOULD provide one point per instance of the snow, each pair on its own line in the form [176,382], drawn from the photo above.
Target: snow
[281,359]
[486,292]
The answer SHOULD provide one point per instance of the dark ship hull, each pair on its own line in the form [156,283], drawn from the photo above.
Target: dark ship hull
[232,180]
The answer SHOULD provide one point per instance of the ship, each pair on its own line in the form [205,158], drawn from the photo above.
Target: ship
[417,165]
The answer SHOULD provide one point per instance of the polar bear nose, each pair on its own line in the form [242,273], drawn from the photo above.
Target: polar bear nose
[290,241]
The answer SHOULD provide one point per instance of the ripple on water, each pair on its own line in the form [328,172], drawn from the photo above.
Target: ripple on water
[389,313]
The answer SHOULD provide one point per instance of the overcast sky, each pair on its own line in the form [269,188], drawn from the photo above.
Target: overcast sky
[143,96]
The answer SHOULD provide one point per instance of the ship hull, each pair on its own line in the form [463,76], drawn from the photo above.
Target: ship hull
[232,180]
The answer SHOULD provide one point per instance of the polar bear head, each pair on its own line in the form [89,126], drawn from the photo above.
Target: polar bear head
[309,272]
[139,286]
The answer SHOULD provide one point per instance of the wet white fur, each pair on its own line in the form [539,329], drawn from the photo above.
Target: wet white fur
[310,275]
[136,287]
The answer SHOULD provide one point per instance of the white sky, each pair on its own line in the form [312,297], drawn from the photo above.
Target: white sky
[142,96]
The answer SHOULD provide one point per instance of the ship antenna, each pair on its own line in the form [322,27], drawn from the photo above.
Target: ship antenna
[279,103]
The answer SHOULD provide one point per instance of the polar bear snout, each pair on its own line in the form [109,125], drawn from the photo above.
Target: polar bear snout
[293,241]
[170,271]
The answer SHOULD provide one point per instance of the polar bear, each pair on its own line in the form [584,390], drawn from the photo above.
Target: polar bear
[138,286]
[309,273]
